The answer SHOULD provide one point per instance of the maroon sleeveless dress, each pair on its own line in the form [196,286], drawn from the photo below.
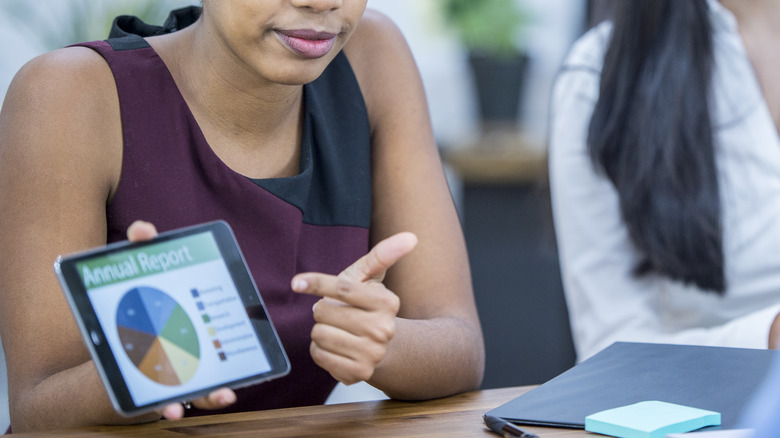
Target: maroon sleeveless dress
[317,220]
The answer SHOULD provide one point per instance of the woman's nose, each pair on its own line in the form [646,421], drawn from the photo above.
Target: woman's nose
[318,5]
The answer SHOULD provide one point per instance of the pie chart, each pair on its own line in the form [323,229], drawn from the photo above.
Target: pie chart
[158,336]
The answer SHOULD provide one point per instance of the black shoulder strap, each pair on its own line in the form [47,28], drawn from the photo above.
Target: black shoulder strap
[128,42]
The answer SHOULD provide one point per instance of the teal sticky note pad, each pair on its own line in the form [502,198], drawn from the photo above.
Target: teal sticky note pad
[650,419]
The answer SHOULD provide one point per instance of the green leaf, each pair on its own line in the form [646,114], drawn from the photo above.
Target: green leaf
[488,26]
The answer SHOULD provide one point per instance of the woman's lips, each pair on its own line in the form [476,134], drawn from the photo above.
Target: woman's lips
[307,43]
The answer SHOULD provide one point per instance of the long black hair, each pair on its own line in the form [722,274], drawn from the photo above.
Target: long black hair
[651,133]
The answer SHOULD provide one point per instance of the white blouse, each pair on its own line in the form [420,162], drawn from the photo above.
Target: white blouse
[606,302]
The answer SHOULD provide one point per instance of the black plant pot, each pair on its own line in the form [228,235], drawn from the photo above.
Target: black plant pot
[499,83]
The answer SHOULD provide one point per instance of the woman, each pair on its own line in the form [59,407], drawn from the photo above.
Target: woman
[664,168]
[303,124]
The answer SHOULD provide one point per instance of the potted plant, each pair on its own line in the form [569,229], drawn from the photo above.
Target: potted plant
[492,33]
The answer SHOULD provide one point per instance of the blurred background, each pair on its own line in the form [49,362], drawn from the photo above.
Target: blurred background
[492,142]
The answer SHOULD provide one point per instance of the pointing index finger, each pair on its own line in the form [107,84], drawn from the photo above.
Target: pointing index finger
[382,256]
[371,266]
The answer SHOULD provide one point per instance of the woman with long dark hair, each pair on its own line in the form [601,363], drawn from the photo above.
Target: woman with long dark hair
[665,175]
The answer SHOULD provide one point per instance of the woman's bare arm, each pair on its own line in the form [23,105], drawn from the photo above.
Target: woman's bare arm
[437,348]
[60,155]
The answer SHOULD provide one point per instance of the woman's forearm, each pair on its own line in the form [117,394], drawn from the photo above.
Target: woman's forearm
[430,359]
[74,397]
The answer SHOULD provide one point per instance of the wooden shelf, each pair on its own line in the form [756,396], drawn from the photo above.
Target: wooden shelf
[498,157]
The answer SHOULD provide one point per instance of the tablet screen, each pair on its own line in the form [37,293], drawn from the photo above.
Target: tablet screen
[174,317]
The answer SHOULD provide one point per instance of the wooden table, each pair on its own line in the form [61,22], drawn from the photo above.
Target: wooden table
[457,416]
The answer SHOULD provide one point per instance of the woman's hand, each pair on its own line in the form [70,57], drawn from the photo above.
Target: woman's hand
[138,232]
[218,399]
[355,319]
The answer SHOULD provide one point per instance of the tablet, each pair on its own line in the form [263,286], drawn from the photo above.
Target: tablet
[173,318]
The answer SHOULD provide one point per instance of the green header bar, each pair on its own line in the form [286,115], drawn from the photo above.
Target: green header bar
[149,260]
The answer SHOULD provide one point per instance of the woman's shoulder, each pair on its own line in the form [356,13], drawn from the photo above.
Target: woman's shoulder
[58,79]
[375,28]
[578,78]
[377,45]
[62,103]
[67,66]
[382,62]
[588,51]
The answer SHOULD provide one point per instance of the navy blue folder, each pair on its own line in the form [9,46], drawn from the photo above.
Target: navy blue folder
[714,378]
